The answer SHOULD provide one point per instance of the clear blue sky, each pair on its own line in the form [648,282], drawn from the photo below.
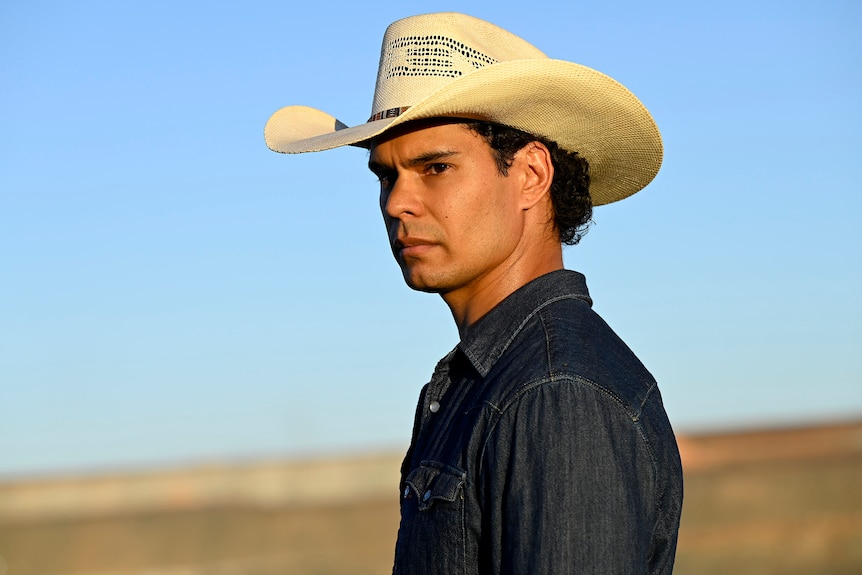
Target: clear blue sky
[173,292]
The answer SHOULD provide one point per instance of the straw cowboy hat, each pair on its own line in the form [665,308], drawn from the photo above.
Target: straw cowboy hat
[453,65]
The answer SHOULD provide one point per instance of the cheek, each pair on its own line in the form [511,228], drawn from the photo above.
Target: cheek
[481,217]
[500,216]
[488,235]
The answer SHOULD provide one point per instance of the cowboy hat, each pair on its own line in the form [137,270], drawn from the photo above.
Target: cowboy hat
[454,65]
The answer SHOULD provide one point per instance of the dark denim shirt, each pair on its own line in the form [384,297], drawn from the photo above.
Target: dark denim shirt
[540,446]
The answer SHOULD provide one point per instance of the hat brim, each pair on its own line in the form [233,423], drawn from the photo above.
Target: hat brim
[580,108]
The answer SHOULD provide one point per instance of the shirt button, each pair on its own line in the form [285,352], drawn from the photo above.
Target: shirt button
[434,407]
[426,496]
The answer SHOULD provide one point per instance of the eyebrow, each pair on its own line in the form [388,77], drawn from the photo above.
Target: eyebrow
[432,156]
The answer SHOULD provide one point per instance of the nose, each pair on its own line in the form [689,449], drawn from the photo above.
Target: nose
[400,198]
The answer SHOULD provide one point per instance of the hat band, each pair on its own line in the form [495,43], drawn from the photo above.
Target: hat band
[390,113]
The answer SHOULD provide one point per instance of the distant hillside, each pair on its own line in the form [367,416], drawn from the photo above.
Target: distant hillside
[712,450]
[756,502]
[263,484]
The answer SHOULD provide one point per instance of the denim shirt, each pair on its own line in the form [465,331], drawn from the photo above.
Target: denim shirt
[540,445]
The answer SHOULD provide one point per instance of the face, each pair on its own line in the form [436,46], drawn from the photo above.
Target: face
[454,222]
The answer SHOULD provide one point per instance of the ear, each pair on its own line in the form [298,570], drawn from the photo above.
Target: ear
[537,169]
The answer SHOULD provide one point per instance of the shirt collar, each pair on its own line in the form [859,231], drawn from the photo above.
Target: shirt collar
[485,341]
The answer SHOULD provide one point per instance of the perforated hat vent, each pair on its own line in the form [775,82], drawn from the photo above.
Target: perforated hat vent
[431,56]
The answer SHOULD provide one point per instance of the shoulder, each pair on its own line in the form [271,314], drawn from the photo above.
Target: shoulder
[568,368]
[566,341]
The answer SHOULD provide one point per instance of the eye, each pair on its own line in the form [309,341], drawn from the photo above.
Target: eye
[386,179]
[437,168]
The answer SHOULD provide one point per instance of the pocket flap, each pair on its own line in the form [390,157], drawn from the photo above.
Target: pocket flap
[433,481]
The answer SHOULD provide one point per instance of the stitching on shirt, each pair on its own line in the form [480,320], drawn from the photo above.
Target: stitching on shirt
[653,387]
[653,456]
[634,415]
[535,311]
[547,344]
[558,378]
[475,360]
[562,378]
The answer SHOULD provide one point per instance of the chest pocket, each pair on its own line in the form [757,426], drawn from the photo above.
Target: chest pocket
[431,538]
[432,482]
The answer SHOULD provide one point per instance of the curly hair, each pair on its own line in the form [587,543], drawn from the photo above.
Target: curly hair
[570,188]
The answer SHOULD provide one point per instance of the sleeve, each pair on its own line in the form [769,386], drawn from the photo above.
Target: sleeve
[568,485]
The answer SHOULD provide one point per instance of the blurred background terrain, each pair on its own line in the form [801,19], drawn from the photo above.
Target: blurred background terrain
[172,292]
[757,502]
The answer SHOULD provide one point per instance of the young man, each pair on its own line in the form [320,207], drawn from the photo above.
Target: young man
[540,444]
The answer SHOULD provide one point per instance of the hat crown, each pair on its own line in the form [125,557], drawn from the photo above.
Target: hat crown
[422,54]
[453,65]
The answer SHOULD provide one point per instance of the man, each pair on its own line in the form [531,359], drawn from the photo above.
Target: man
[540,444]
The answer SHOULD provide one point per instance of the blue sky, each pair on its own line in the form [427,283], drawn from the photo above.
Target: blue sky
[172,292]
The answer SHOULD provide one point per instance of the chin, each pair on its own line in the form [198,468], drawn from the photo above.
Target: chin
[421,284]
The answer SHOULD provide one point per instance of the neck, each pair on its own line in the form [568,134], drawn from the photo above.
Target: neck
[470,303]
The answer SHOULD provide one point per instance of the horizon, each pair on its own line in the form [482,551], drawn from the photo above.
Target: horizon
[173,291]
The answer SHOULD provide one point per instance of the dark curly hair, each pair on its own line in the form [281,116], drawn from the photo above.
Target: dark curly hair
[570,189]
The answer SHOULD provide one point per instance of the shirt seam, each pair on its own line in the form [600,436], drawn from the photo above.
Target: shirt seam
[477,361]
[562,378]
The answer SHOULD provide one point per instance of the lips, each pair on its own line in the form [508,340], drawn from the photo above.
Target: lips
[407,247]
